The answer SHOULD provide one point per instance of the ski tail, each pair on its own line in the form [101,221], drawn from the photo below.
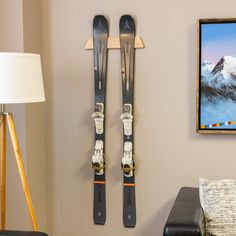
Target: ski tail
[129,208]
[99,207]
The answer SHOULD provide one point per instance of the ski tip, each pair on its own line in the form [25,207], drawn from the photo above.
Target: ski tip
[99,19]
[127,23]
[126,17]
[100,24]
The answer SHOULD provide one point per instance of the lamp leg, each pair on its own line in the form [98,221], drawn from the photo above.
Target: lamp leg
[20,165]
[3,169]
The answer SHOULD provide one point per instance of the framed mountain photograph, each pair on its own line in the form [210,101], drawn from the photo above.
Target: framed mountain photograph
[216,92]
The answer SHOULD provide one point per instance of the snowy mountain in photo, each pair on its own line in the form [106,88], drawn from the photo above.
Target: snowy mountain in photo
[219,81]
[206,68]
[218,92]
[225,71]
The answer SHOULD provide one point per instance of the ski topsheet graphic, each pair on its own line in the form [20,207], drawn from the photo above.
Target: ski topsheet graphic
[127,43]
[100,39]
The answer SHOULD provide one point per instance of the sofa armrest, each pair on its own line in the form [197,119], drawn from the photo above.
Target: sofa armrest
[186,217]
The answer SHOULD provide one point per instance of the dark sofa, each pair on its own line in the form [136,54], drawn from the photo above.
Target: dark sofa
[20,233]
[186,217]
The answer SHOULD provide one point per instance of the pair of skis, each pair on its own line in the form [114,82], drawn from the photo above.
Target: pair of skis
[127,44]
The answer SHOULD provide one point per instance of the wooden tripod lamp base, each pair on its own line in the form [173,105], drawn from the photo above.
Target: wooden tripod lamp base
[7,119]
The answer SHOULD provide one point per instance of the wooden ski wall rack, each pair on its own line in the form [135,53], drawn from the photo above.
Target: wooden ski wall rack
[114,43]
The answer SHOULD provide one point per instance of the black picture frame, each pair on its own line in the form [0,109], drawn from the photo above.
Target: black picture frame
[214,92]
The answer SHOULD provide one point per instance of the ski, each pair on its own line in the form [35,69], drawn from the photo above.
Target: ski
[127,43]
[100,40]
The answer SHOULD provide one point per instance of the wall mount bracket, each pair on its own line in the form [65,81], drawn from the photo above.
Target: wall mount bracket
[114,43]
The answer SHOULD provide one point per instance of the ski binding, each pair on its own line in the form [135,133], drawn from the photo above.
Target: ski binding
[127,119]
[98,117]
[127,164]
[97,159]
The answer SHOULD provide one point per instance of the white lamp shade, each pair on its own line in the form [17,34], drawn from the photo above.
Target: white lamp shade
[21,79]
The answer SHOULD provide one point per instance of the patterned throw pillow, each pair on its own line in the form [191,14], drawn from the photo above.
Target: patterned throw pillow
[218,201]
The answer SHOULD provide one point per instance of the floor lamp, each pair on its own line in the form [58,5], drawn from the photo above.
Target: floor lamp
[21,81]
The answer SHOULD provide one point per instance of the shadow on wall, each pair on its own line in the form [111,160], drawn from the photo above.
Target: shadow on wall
[192,75]
[86,125]
[156,223]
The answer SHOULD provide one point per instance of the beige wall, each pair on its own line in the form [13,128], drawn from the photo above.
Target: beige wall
[35,117]
[20,29]
[169,154]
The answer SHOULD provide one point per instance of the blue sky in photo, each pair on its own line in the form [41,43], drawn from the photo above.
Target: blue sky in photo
[218,40]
